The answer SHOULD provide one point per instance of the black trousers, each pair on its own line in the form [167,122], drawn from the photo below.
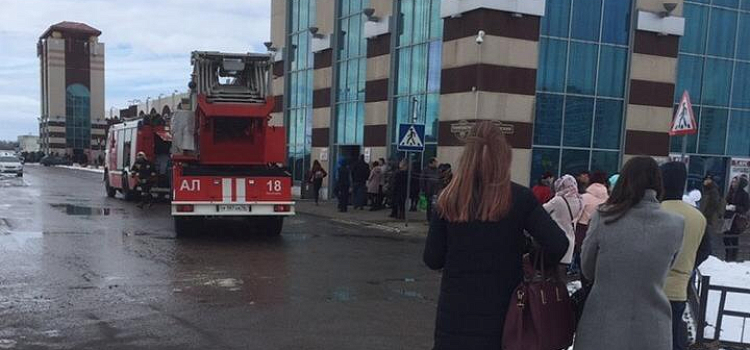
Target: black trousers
[343,196]
[679,328]
[430,199]
[317,184]
[731,245]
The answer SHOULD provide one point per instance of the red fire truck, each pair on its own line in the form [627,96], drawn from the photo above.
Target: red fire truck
[226,160]
[124,141]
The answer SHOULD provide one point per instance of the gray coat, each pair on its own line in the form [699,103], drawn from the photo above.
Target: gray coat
[628,261]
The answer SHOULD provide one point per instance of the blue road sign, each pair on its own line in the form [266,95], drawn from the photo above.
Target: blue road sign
[411,137]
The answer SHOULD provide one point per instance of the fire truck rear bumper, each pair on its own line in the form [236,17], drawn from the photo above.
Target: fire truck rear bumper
[233,209]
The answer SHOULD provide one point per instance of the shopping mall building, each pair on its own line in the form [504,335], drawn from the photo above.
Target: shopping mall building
[577,84]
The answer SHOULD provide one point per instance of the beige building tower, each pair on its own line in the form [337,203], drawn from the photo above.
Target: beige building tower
[72,91]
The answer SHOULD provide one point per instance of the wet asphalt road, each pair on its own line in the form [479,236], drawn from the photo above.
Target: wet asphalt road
[82,271]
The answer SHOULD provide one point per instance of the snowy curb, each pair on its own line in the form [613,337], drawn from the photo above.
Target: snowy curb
[91,170]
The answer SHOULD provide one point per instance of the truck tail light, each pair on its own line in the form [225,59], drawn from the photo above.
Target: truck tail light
[282,208]
[185,208]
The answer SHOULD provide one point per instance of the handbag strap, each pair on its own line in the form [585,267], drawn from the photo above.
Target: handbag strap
[572,220]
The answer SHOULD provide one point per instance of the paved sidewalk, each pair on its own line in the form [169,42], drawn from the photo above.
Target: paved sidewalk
[373,219]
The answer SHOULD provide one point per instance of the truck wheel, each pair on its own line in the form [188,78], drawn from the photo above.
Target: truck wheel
[111,191]
[273,225]
[127,194]
[19,174]
[184,226]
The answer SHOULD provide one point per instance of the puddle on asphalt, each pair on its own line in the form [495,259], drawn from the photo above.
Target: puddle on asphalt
[71,209]
[341,295]
[7,344]
[12,181]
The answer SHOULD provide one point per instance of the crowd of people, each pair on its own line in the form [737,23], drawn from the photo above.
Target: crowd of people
[630,238]
[383,184]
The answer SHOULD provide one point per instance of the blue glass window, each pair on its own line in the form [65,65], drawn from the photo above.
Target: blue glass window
[612,65]
[557,18]
[608,124]
[418,65]
[727,3]
[544,160]
[743,49]
[586,18]
[552,56]
[716,84]
[298,112]
[582,68]
[739,129]
[606,162]
[741,93]
[578,114]
[574,161]
[723,30]
[713,131]
[78,116]
[696,26]
[586,69]
[745,4]
[689,77]
[617,26]
[548,121]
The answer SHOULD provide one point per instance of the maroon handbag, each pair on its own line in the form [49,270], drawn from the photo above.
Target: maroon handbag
[540,314]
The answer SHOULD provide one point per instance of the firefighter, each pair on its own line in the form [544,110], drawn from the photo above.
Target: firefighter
[145,173]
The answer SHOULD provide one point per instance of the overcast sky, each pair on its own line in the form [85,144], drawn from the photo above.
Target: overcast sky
[148,45]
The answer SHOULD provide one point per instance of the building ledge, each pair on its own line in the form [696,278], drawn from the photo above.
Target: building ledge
[653,22]
[454,8]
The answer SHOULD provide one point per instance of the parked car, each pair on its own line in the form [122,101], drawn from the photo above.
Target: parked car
[54,160]
[11,164]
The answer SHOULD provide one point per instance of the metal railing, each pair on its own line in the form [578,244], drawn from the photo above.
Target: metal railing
[698,293]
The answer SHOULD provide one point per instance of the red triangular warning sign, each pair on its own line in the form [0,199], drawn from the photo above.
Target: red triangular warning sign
[684,119]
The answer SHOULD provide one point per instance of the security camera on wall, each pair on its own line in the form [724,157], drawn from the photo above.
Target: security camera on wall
[480,37]
[668,9]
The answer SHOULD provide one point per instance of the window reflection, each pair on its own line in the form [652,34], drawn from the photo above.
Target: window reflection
[351,66]
[418,68]
[581,86]
[298,113]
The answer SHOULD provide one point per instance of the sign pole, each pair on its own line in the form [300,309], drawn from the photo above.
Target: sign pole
[408,159]
[684,148]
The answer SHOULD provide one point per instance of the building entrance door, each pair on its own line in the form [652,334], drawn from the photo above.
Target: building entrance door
[348,153]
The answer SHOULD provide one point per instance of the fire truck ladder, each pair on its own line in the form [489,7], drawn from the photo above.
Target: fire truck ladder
[232,78]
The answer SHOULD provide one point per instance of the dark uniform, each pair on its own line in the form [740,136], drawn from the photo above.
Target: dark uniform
[145,174]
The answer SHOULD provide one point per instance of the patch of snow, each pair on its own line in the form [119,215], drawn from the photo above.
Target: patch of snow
[728,275]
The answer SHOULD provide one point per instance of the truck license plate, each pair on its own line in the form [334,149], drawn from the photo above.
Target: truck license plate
[232,208]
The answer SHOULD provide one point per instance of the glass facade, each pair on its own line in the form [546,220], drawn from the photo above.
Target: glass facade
[77,117]
[714,67]
[419,50]
[583,55]
[351,73]
[299,86]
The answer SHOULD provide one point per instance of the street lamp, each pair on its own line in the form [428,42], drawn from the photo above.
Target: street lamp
[173,104]
[160,103]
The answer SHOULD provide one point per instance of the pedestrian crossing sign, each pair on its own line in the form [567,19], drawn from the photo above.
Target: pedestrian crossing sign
[411,137]
[684,119]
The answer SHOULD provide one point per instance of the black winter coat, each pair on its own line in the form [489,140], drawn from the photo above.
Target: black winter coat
[481,264]
[360,172]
